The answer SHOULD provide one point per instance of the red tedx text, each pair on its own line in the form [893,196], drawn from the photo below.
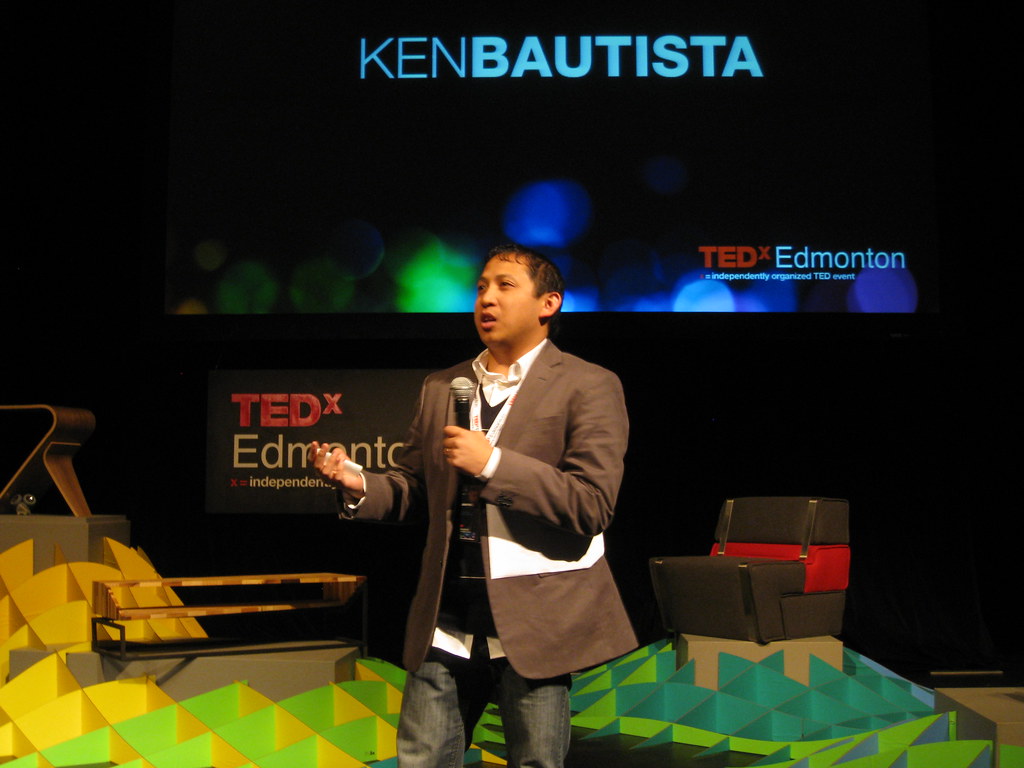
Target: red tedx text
[734,256]
[284,410]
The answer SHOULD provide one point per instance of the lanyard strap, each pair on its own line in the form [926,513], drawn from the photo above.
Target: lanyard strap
[475,421]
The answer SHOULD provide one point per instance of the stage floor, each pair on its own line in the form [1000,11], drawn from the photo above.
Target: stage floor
[618,752]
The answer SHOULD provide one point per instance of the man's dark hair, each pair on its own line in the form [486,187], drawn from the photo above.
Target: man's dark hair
[544,273]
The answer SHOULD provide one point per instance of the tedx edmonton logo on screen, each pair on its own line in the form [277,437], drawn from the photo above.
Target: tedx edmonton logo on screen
[870,279]
[789,262]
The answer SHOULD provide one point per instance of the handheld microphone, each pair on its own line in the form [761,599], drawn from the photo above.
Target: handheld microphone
[462,391]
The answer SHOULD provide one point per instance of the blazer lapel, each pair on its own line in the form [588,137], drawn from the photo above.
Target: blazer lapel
[534,388]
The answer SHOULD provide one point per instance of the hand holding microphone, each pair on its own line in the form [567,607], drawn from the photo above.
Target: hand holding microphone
[465,449]
[335,468]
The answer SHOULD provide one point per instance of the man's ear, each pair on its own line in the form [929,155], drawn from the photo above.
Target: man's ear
[552,302]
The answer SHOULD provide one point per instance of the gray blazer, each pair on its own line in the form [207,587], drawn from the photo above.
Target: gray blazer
[556,485]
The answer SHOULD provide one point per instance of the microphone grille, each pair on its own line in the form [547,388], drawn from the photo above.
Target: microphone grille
[462,387]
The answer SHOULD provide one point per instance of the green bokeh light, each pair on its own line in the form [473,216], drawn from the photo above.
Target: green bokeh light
[434,277]
[247,288]
[321,285]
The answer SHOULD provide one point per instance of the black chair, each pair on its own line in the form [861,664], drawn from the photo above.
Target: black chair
[778,570]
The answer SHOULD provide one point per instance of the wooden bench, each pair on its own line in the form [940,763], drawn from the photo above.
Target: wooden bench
[113,602]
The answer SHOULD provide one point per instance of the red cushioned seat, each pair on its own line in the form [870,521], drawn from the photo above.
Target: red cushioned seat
[778,570]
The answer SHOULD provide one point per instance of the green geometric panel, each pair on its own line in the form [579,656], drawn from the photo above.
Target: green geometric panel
[815,705]
[366,739]
[100,747]
[374,694]
[160,729]
[226,704]
[774,726]
[326,707]
[767,686]
[382,669]
[723,714]
[956,754]
[596,709]
[1011,756]
[264,732]
[730,666]
[670,702]
[886,682]
[311,752]
[863,698]
[201,752]
[488,728]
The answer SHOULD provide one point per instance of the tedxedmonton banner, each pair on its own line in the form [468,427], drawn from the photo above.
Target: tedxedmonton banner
[260,425]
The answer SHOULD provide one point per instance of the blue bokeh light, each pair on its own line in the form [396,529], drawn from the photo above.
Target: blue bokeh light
[694,294]
[634,278]
[582,293]
[552,213]
[357,247]
[883,290]
[767,296]
[828,296]
[664,174]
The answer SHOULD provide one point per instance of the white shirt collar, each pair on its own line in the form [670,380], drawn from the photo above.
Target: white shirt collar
[516,372]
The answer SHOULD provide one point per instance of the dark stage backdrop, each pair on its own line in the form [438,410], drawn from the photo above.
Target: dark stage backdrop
[906,426]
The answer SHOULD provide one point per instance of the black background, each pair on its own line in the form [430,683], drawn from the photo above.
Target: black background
[913,422]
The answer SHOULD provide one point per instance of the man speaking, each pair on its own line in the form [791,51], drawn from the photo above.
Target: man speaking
[515,459]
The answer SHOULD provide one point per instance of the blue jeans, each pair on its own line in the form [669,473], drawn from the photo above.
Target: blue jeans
[445,697]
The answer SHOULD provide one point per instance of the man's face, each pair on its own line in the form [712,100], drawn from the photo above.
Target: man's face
[508,312]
